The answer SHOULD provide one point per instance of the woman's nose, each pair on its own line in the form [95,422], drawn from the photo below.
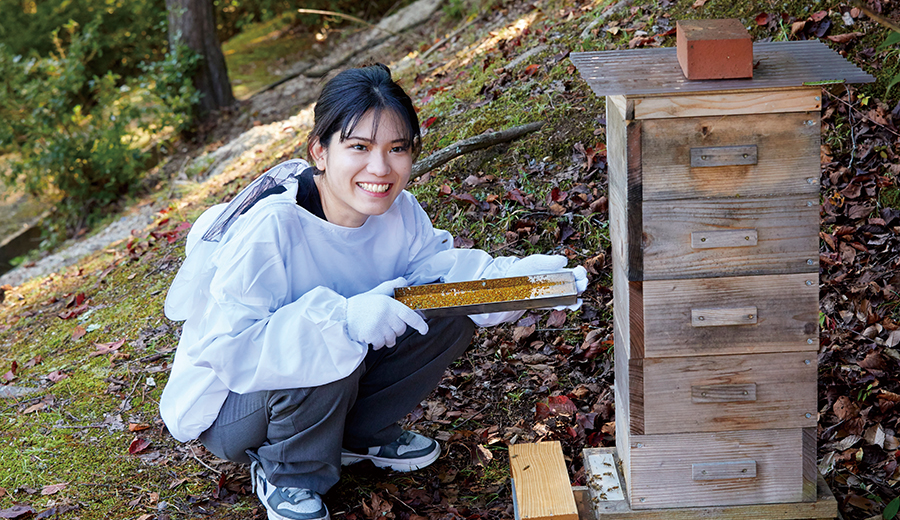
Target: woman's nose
[378,164]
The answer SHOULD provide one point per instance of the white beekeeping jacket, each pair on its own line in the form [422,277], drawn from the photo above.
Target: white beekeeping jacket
[265,306]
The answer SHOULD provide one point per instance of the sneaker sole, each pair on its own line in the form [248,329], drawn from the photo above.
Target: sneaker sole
[402,465]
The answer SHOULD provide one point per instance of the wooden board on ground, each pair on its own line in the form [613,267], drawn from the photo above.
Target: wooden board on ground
[824,506]
[541,482]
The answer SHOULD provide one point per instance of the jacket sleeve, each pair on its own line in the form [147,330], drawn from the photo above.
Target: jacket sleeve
[252,334]
[433,258]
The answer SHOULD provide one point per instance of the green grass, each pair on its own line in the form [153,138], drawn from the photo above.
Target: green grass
[262,53]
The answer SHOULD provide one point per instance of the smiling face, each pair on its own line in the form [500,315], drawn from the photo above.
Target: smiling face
[365,172]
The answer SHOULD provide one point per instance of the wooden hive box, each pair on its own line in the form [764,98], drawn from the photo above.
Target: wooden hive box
[714,214]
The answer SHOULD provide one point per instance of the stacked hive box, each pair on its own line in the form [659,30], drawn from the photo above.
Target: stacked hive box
[714,211]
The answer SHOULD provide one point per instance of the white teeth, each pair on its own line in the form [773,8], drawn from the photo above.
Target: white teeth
[375,188]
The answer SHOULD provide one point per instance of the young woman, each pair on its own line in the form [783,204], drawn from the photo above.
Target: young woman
[294,357]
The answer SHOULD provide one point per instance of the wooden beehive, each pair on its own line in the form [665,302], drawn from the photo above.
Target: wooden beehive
[714,214]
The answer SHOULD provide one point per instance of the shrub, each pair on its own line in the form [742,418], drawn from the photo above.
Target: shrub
[73,135]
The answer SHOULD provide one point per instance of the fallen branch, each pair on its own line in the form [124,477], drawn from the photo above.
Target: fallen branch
[472,144]
[448,38]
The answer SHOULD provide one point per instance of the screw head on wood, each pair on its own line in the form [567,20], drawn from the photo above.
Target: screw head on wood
[809,341]
[807,361]
[808,415]
[809,262]
[809,282]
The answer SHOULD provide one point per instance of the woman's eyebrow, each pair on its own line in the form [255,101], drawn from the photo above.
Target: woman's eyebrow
[369,140]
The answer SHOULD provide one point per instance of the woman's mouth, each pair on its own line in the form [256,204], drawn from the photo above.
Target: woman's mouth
[374,188]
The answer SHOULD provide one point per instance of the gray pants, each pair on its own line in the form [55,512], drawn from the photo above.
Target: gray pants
[297,434]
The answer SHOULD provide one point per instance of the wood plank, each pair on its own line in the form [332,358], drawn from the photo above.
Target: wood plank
[726,238]
[625,195]
[592,507]
[661,468]
[787,309]
[787,145]
[724,156]
[724,317]
[543,490]
[692,105]
[787,227]
[785,393]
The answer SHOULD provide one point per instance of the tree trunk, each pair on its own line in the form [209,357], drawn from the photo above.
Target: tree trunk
[193,23]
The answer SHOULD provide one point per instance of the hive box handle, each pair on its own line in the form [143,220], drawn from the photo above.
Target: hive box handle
[724,470]
[722,317]
[723,156]
[727,238]
[723,393]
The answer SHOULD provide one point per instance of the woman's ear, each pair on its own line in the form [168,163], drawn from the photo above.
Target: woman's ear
[317,151]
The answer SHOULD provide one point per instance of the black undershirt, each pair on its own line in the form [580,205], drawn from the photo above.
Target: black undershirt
[307,193]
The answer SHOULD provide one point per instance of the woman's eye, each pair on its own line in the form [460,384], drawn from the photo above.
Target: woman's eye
[359,146]
[399,149]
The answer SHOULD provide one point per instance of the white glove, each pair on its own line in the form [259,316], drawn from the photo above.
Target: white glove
[537,264]
[376,318]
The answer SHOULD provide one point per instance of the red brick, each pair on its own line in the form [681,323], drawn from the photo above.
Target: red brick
[714,49]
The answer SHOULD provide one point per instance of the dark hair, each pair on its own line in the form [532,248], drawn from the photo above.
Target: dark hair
[347,97]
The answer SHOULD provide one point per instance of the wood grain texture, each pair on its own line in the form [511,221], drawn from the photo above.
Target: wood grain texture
[785,393]
[787,162]
[787,227]
[759,102]
[786,315]
[823,506]
[625,194]
[661,468]
[543,489]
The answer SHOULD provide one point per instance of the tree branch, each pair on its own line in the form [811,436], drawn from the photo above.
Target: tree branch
[471,144]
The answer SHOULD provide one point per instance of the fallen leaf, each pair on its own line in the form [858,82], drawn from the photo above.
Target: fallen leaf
[16,511]
[556,319]
[53,488]
[520,333]
[875,435]
[561,405]
[845,409]
[844,38]
[482,456]
[762,19]
[428,122]
[531,69]
[57,376]
[138,445]
[11,374]
[79,332]
[35,408]
[134,427]
[106,348]
[698,4]
[36,360]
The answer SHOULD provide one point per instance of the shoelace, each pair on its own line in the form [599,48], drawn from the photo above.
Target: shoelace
[298,494]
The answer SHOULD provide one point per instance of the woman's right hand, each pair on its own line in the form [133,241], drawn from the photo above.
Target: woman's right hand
[376,318]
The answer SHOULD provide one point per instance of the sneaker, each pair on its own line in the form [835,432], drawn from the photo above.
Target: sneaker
[287,503]
[408,453]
